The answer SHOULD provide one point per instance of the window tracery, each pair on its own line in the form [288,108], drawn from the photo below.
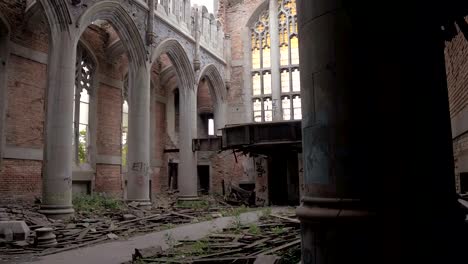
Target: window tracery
[84,75]
[289,75]
[289,60]
[261,69]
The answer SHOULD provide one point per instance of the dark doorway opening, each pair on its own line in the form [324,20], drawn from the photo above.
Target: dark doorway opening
[173,173]
[204,178]
[463,182]
[283,179]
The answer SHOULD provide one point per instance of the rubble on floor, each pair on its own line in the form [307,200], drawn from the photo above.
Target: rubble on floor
[98,219]
[274,239]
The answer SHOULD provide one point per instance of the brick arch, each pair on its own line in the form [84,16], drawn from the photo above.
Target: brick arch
[117,16]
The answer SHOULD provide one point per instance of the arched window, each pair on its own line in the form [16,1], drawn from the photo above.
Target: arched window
[288,74]
[124,127]
[261,69]
[289,60]
[85,69]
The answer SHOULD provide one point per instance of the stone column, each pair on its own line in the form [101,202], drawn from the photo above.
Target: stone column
[332,220]
[275,61]
[138,188]
[377,147]
[58,151]
[188,177]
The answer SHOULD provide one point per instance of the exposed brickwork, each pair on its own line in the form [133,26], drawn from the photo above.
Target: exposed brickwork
[108,180]
[33,35]
[25,112]
[456,58]
[456,61]
[20,180]
[225,168]
[109,120]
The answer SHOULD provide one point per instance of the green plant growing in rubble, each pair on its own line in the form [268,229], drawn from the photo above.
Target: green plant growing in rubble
[95,202]
[168,226]
[200,247]
[169,239]
[236,224]
[266,212]
[277,230]
[254,229]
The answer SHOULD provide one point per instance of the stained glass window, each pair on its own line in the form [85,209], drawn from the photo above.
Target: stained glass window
[286,104]
[266,83]
[296,81]
[289,60]
[289,74]
[256,84]
[297,107]
[261,63]
[268,109]
[285,81]
[257,108]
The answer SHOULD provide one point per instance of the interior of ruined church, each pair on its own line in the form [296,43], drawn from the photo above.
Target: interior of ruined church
[233,131]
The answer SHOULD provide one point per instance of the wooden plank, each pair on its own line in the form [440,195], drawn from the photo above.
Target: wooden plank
[288,245]
[141,218]
[183,215]
[292,220]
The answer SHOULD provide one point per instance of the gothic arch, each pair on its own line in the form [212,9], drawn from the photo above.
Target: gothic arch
[117,16]
[256,13]
[57,14]
[180,60]
[218,89]
[217,85]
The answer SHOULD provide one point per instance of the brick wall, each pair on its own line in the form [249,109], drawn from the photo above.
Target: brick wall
[33,35]
[25,107]
[456,61]
[109,180]
[237,14]
[20,180]
[109,120]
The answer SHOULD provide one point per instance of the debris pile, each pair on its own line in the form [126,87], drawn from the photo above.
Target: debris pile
[275,239]
[48,236]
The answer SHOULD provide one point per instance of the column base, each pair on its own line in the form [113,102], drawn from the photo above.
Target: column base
[336,231]
[57,211]
[144,204]
[188,198]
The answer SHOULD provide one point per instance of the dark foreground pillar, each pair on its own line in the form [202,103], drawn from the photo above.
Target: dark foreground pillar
[377,150]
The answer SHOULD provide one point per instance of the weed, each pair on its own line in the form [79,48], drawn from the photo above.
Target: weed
[254,229]
[236,224]
[277,230]
[169,239]
[168,226]
[200,247]
[95,202]
[266,212]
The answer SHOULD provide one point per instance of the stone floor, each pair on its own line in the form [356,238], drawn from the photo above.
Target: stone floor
[120,251]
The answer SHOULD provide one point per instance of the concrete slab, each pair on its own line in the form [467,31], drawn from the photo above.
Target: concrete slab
[121,251]
[14,230]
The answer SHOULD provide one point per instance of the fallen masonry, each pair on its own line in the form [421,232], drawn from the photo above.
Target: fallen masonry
[274,239]
[90,226]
